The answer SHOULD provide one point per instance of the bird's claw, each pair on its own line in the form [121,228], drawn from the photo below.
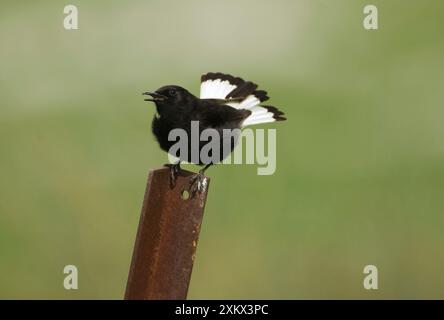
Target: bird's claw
[198,183]
[174,170]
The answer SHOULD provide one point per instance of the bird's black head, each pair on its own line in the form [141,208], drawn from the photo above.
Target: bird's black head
[171,98]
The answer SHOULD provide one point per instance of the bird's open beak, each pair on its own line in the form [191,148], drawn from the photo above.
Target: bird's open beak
[155,96]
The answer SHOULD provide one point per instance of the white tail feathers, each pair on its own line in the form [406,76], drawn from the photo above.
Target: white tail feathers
[215,89]
[259,115]
[248,103]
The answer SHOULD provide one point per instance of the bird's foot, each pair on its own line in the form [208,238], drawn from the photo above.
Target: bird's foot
[198,183]
[174,170]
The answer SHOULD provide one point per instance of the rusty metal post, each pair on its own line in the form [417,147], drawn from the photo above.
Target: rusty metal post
[166,239]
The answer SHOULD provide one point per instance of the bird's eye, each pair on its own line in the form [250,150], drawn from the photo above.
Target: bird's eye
[172,92]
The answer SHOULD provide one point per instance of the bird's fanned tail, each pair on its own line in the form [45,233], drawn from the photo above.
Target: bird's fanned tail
[239,94]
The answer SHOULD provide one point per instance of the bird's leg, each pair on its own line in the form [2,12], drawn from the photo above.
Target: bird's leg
[197,182]
[174,170]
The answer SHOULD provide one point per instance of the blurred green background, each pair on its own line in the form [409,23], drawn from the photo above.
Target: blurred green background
[360,162]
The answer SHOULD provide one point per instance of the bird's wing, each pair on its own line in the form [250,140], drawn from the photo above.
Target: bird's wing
[214,113]
[240,94]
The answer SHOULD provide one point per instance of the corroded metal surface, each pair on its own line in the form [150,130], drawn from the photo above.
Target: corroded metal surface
[166,239]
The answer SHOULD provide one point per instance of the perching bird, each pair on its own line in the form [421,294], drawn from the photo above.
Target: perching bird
[225,102]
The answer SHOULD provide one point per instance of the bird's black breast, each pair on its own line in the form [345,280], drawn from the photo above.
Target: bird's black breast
[161,127]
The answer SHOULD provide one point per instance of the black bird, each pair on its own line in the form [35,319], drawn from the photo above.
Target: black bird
[225,102]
